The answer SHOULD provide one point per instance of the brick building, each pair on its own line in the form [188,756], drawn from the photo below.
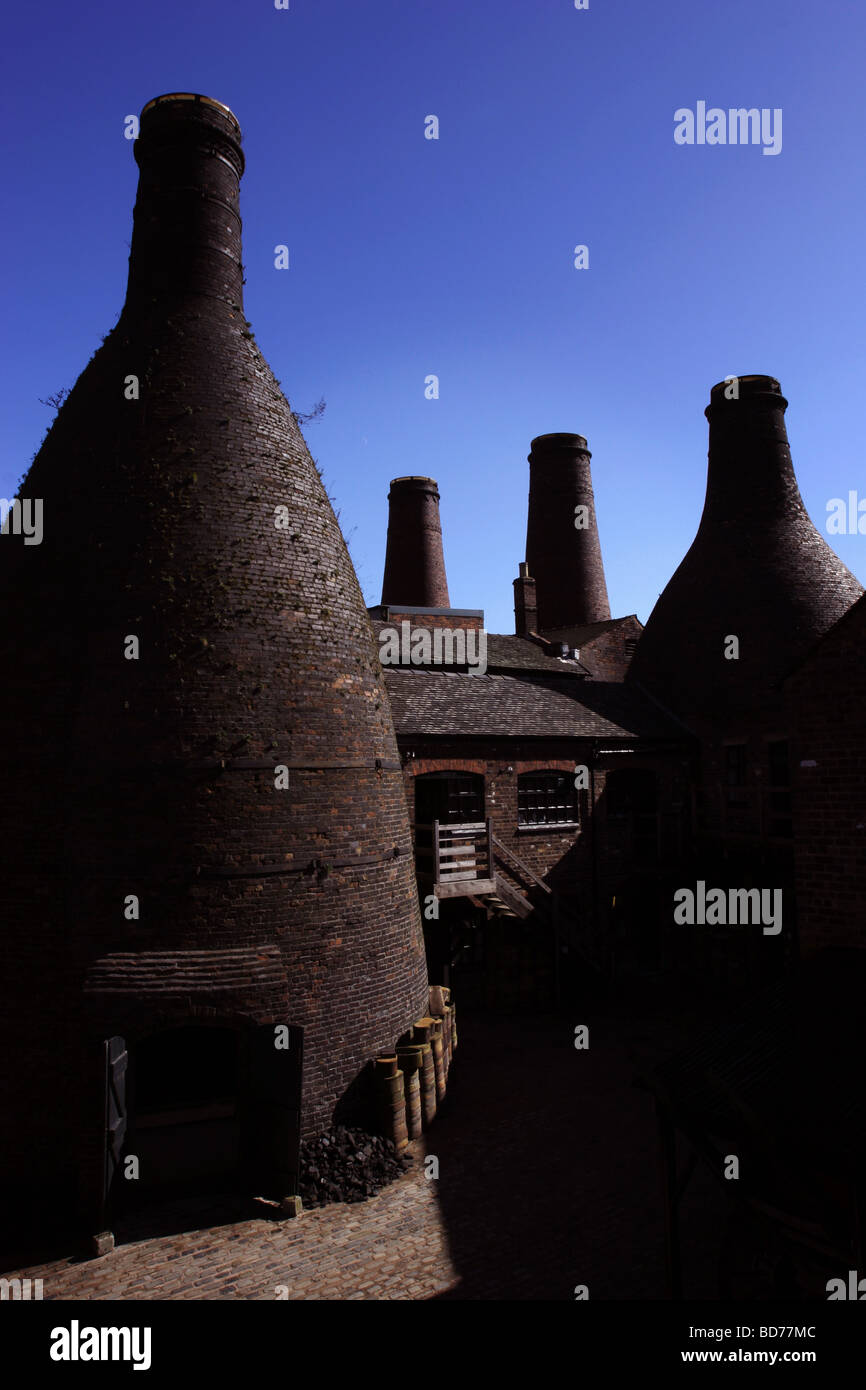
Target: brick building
[826,699]
[550,802]
[589,768]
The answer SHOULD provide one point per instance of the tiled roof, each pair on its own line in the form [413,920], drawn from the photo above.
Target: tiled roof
[509,653]
[505,653]
[443,702]
[853,617]
[581,636]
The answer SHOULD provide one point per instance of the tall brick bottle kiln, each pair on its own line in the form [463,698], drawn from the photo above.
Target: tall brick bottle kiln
[203,821]
[758,569]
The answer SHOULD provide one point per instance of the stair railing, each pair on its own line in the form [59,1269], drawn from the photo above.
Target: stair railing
[523,867]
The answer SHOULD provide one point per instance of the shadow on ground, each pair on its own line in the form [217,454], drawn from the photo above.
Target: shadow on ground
[549,1159]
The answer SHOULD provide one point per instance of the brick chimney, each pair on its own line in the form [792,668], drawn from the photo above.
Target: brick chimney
[525,603]
[201,801]
[757,570]
[186,236]
[562,545]
[414,563]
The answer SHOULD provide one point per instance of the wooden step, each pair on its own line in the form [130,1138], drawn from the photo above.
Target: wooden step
[495,903]
[463,888]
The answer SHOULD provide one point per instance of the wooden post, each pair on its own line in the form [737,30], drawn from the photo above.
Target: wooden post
[435,854]
[392,1101]
[410,1058]
[422,1034]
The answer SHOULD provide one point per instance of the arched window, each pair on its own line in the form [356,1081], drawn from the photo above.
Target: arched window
[546,798]
[449,797]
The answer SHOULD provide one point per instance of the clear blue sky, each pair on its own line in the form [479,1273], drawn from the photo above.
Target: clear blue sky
[454,256]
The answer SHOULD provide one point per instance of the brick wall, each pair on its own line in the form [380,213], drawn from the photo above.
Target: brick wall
[468,622]
[608,655]
[826,699]
[573,861]
[542,851]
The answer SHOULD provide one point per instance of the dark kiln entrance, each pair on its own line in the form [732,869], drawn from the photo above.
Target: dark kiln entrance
[184,1107]
[205,1111]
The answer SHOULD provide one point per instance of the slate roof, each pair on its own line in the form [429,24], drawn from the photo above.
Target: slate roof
[855,615]
[581,636]
[440,703]
[509,653]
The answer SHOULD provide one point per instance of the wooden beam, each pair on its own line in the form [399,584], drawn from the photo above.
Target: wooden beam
[465,888]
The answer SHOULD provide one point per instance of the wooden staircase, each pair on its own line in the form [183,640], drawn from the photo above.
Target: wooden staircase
[468,860]
[498,906]
[460,859]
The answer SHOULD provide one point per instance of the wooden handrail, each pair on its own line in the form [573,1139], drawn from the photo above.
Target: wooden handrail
[449,828]
[524,868]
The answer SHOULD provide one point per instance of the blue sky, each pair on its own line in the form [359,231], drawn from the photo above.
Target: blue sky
[455,257]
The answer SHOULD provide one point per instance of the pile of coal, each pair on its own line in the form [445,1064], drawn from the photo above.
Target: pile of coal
[347,1165]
